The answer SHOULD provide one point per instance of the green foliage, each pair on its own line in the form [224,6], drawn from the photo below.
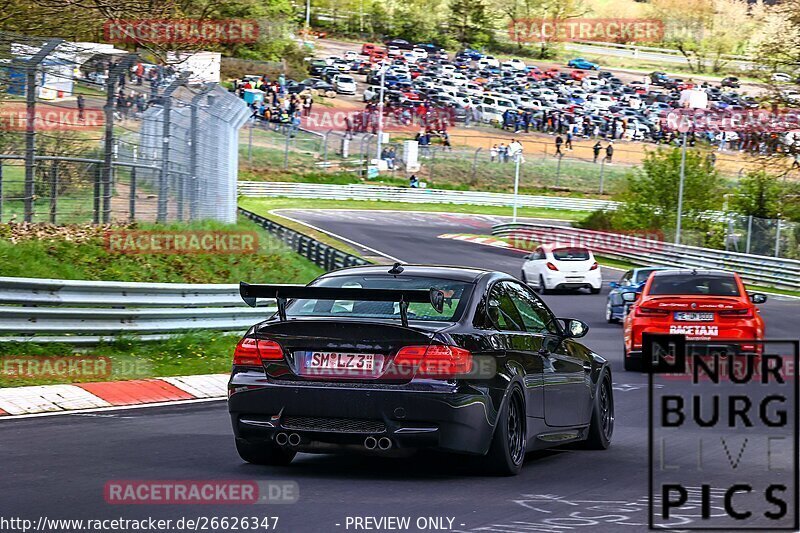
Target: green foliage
[759,195]
[470,22]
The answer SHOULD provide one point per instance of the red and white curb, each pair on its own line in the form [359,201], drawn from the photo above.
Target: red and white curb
[479,239]
[16,401]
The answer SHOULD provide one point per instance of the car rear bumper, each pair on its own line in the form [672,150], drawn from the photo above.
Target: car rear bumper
[455,419]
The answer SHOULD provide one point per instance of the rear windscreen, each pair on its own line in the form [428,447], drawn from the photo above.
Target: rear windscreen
[698,284]
[571,254]
[456,294]
[642,275]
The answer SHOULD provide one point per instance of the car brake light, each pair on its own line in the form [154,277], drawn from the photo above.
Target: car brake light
[435,360]
[551,266]
[594,266]
[251,352]
[736,313]
[649,311]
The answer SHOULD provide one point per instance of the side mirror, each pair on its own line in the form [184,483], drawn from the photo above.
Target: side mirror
[574,328]
[613,285]
[758,298]
[630,297]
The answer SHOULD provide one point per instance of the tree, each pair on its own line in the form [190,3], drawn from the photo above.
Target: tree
[759,195]
[651,195]
[470,23]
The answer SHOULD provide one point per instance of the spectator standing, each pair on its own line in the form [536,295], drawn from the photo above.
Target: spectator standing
[609,151]
[493,153]
[81,107]
[559,142]
[596,149]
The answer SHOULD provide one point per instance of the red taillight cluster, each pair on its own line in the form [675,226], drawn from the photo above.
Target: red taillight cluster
[251,352]
[551,266]
[434,361]
[594,266]
[736,313]
[649,311]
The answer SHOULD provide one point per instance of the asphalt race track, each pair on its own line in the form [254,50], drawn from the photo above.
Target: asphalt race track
[57,466]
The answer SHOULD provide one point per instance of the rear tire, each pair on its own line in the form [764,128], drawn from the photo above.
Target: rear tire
[263,453]
[602,425]
[523,277]
[594,291]
[507,451]
[610,314]
[542,287]
[632,364]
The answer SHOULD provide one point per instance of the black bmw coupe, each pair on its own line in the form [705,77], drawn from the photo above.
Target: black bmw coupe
[383,360]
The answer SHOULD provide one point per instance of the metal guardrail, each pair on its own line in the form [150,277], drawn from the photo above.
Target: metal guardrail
[88,312]
[320,254]
[754,269]
[409,195]
[81,312]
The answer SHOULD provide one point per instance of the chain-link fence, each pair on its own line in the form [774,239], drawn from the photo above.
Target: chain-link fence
[762,236]
[90,133]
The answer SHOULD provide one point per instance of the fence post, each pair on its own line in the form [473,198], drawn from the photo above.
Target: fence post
[53,190]
[31,66]
[778,239]
[749,232]
[96,208]
[108,139]
[132,199]
[163,178]
[194,185]
[558,169]
[286,148]
[1,191]
[433,164]
[602,170]
[475,165]
[250,142]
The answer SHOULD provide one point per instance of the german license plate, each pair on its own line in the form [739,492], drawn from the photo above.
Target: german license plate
[341,361]
[694,317]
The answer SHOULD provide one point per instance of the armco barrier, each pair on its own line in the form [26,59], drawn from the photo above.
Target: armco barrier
[359,191]
[320,254]
[754,269]
[87,312]
[81,312]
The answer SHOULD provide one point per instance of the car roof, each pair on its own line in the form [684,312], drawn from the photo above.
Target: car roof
[433,271]
[689,272]
[555,245]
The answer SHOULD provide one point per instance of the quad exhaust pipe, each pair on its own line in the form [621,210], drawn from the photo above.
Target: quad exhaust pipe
[384,443]
[294,439]
[370,443]
[282,439]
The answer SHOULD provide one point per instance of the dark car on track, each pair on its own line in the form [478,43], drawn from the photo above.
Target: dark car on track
[632,280]
[389,360]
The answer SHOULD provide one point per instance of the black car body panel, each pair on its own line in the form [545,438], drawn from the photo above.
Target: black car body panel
[559,376]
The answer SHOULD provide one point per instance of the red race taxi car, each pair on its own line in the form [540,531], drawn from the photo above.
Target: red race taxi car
[704,305]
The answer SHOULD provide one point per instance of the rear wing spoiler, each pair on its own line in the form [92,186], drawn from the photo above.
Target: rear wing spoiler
[282,293]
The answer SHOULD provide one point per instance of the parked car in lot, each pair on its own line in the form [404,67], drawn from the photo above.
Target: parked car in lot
[730,81]
[704,305]
[382,359]
[345,84]
[582,64]
[558,266]
[632,280]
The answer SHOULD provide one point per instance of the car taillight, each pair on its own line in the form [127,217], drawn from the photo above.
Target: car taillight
[736,313]
[649,311]
[551,266]
[594,266]
[436,361]
[251,352]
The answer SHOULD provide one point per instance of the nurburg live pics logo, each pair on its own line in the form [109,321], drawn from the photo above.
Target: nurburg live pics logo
[733,434]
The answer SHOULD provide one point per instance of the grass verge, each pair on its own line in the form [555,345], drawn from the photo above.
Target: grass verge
[202,352]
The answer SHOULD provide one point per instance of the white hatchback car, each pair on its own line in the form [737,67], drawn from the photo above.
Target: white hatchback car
[560,266]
